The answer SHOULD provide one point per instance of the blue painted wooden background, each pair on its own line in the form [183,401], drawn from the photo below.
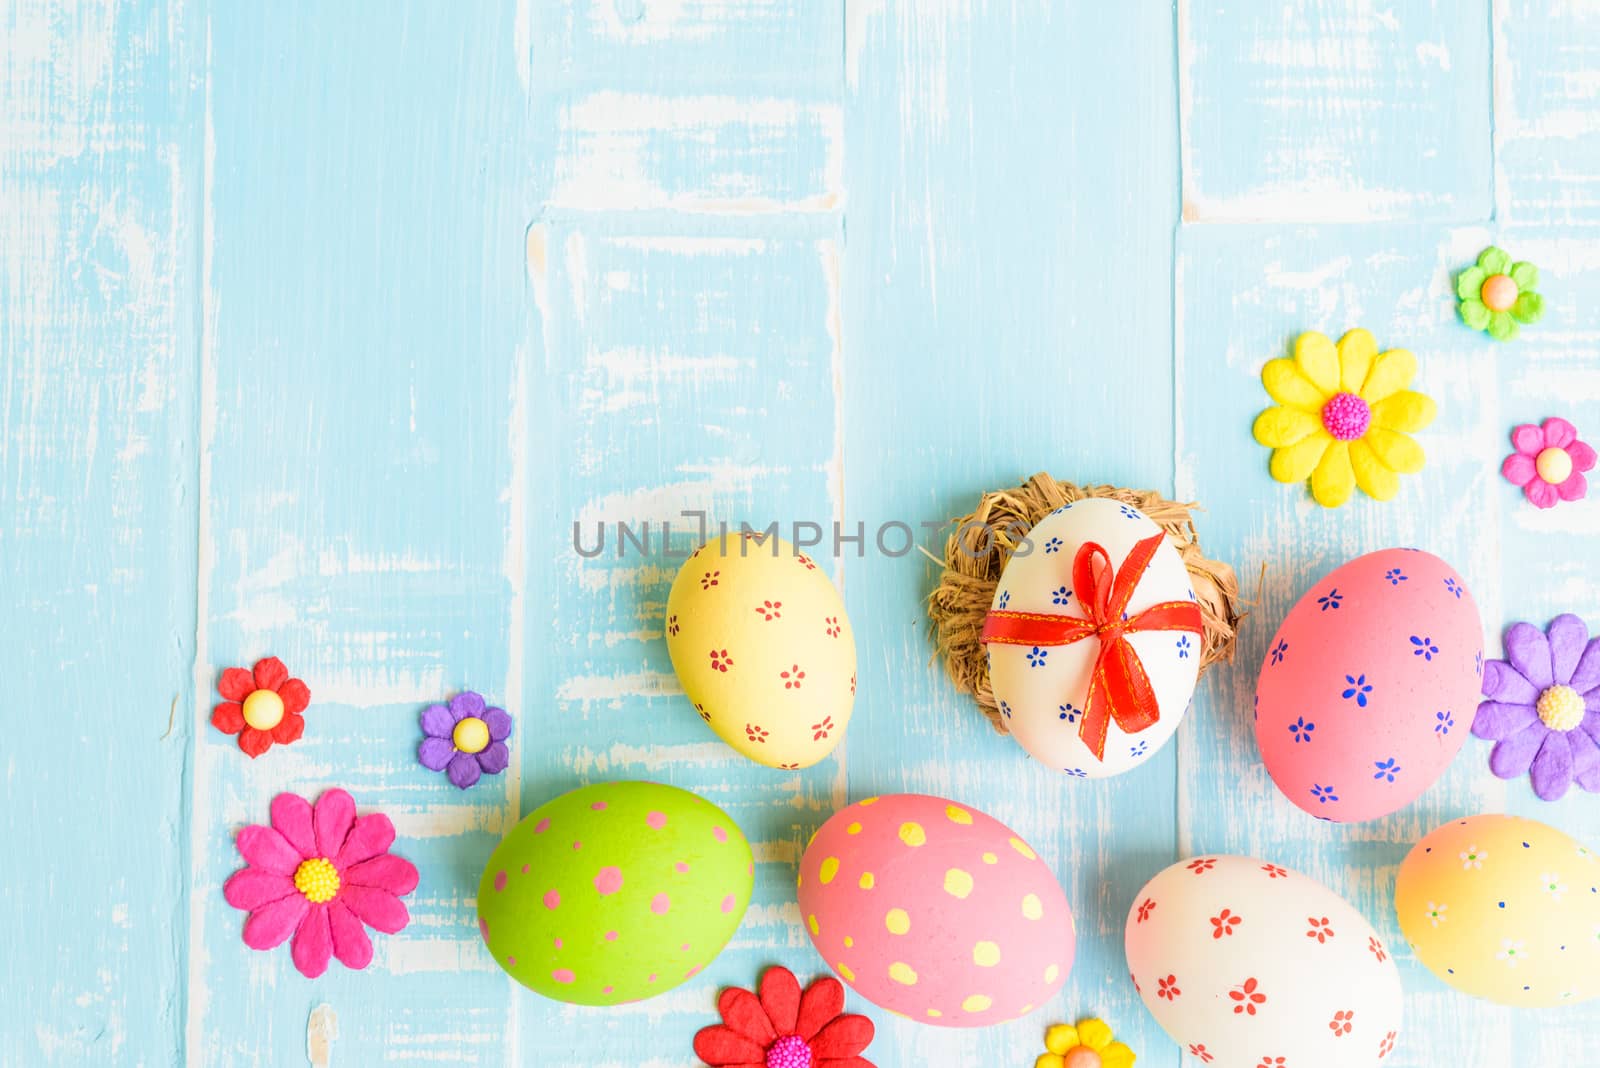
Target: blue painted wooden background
[320,325]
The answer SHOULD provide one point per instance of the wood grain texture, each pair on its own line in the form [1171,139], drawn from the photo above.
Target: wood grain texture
[99,182]
[320,327]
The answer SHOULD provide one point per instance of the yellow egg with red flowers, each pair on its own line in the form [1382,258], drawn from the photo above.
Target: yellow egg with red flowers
[763,649]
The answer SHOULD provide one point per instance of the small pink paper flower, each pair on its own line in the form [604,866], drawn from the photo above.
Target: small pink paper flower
[1549,462]
[320,874]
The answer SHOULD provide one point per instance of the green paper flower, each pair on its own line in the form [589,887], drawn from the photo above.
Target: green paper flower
[1497,294]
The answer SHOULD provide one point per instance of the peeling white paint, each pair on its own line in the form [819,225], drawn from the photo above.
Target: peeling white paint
[322,1028]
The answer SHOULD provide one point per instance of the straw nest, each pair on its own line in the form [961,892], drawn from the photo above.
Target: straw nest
[977,551]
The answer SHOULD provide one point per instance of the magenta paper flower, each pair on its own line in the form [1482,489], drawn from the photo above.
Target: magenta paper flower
[320,874]
[465,739]
[1543,707]
[1549,462]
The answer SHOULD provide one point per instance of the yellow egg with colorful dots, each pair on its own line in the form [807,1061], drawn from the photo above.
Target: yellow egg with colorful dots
[1504,908]
[761,645]
[935,911]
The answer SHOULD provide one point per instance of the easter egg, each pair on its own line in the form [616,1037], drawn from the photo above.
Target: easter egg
[1370,684]
[761,645]
[614,892]
[1504,908]
[1242,962]
[1043,689]
[933,910]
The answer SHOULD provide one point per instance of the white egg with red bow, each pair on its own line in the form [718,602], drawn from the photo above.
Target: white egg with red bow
[1094,639]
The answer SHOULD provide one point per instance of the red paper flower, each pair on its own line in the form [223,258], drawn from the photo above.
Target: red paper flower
[783,1028]
[261,707]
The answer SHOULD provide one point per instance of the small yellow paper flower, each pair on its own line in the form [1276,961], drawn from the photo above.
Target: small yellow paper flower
[1344,417]
[1087,1045]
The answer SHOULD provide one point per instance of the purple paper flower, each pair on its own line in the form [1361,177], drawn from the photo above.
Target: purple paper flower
[1543,707]
[465,739]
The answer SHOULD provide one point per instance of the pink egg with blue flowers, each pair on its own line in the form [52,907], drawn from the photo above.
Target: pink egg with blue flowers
[1369,686]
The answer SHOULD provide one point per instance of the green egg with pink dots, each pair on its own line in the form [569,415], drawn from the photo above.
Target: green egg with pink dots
[615,892]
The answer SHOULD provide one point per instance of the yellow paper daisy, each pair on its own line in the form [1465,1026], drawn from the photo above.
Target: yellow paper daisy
[1344,417]
[1088,1045]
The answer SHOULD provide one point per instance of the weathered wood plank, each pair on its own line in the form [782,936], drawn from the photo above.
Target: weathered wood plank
[1007,290]
[1328,110]
[365,332]
[99,178]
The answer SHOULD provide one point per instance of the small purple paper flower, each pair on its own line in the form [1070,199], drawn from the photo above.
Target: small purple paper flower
[1543,707]
[465,739]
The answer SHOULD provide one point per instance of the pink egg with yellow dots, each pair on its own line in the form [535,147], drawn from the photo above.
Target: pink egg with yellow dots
[935,911]
[1369,687]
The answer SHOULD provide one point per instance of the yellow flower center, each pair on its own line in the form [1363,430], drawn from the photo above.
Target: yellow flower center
[471,735]
[1554,465]
[263,710]
[1560,708]
[318,879]
[1499,292]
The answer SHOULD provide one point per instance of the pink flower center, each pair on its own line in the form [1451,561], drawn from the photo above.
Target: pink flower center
[1346,416]
[790,1051]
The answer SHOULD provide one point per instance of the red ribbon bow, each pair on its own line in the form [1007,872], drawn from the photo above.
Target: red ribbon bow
[1119,688]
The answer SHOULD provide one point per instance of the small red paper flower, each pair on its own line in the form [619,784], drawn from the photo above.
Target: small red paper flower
[261,707]
[783,1028]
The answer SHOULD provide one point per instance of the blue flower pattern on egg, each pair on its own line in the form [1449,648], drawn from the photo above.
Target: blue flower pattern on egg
[1076,773]
[1358,690]
[1053,545]
[1416,641]
[1060,595]
[1067,713]
[1005,599]
[1005,710]
[1036,657]
[1127,513]
[1183,647]
[1139,750]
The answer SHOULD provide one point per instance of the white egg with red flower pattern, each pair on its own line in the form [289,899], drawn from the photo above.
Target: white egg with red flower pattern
[1042,690]
[1246,963]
